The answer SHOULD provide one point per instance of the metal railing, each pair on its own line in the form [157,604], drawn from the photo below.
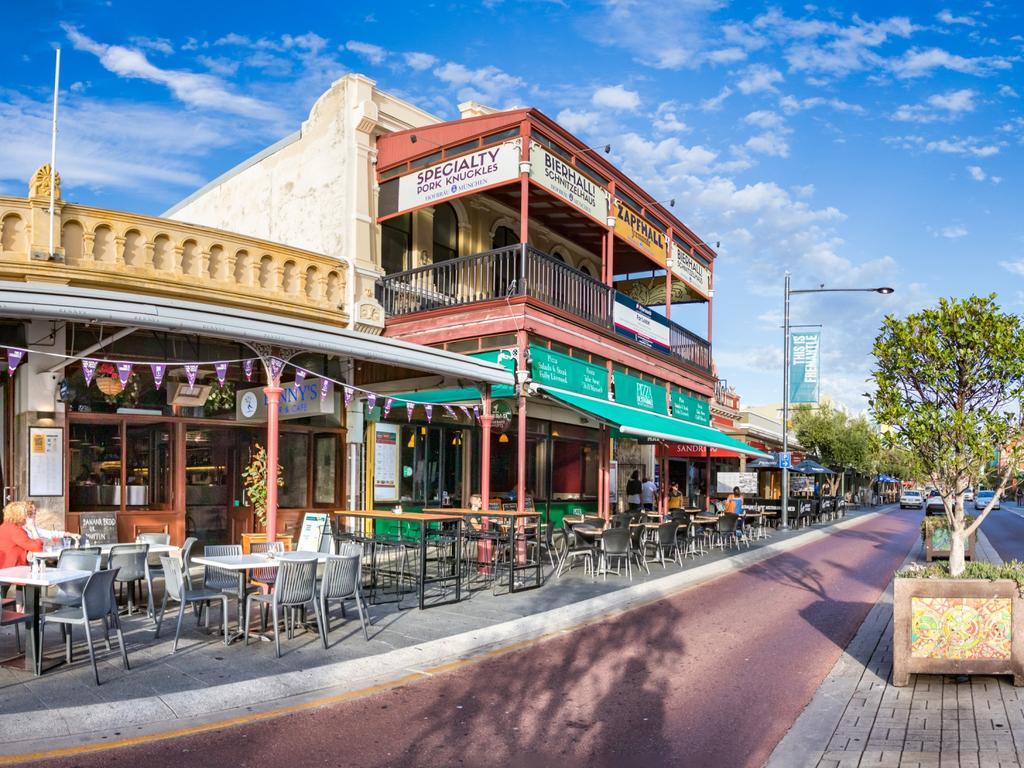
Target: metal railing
[519,270]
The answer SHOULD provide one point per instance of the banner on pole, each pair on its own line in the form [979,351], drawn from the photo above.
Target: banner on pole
[804,366]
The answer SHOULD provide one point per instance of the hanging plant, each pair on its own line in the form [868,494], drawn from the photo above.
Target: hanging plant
[254,478]
[110,385]
[222,398]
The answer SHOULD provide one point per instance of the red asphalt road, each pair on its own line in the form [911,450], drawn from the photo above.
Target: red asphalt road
[713,676]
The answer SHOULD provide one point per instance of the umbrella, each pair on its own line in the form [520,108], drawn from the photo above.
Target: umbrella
[763,463]
[811,467]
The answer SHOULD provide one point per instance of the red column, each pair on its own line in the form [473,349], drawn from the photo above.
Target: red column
[273,394]
[485,448]
[668,275]
[707,475]
[521,436]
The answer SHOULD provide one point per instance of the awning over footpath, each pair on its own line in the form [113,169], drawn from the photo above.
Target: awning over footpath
[634,422]
[90,305]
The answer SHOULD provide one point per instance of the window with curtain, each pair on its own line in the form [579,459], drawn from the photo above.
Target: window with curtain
[396,244]
[446,233]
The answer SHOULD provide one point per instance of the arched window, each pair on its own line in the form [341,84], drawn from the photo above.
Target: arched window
[558,256]
[446,233]
[396,244]
[504,236]
[585,270]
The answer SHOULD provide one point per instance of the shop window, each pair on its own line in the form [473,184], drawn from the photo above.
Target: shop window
[503,237]
[325,473]
[148,466]
[95,464]
[446,233]
[396,244]
[294,454]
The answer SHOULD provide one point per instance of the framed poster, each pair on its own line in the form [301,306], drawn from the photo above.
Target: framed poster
[385,463]
[46,461]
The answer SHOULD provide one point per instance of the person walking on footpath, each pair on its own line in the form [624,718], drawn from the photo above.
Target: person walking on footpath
[633,489]
[648,493]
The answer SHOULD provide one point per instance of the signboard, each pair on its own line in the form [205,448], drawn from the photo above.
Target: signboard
[46,461]
[631,226]
[564,180]
[691,271]
[314,526]
[629,390]
[98,527]
[484,168]
[785,460]
[297,402]
[692,451]
[557,370]
[746,481]
[501,415]
[804,360]
[385,463]
[690,408]
[640,324]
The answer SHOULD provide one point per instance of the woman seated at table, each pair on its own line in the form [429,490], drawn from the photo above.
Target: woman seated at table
[15,543]
[675,497]
[44,533]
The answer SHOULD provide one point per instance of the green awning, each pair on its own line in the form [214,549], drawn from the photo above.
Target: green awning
[639,423]
[466,395]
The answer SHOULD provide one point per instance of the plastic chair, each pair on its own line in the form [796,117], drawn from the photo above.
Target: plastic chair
[69,594]
[12,618]
[295,587]
[342,581]
[98,604]
[131,561]
[615,545]
[666,541]
[176,588]
[636,545]
[232,583]
[575,548]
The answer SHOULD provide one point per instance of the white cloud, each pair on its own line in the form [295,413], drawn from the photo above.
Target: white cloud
[488,85]
[219,65]
[155,44]
[193,89]
[953,231]
[420,61]
[757,78]
[1007,91]
[957,146]
[668,158]
[976,171]
[667,120]
[1016,267]
[616,97]
[658,34]
[940,106]
[771,143]
[729,55]
[715,102]
[576,121]
[921,63]
[764,118]
[946,17]
[372,53]
[791,104]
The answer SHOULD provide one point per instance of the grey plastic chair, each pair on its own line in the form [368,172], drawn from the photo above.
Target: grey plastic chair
[177,589]
[615,545]
[69,594]
[265,576]
[232,583]
[131,561]
[9,617]
[155,569]
[342,581]
[295,587]
[186,559]
[98,604]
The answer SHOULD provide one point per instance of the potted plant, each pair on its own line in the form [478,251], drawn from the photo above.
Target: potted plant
[936,537]
[948,381]
[254,479]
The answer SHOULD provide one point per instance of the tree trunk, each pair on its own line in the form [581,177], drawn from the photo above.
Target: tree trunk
[956,551]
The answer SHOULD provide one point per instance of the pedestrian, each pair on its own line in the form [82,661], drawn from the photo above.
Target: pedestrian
[734,503]
[633,489]
[15,543]
[675,497]
[648,493]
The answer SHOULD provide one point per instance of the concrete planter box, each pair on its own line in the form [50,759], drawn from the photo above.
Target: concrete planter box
[957,627]
[936,544]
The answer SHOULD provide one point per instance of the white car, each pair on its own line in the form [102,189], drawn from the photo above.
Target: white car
[910,498]
[969,494]
[982,499]
[934,506]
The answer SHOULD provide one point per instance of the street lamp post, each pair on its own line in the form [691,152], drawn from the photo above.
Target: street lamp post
[787,292]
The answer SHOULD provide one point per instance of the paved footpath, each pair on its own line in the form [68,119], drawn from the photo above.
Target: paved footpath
[710,676]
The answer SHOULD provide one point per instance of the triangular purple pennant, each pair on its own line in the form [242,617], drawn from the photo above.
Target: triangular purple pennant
[300,376]
[191,371]
[222,372]
[124,372]
[14,356]
[348,396]
[325,385]
[247,369]
[159,369]
[408,411]
[88,370]
[465,411]
[276,366]
[371,401]
[430,412]
[387,406]
[449,412]
[476,412]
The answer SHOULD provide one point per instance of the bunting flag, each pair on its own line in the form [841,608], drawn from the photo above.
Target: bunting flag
[409,407]
[88,370]
[159,369]
[14,356]
[387,406]
[430,412]
[222,372]
[465,411]
[476,412]
[348,396]
[124,372]
[371,401]
[300,376]
[449,412]
[191,370]
[247,369]
[325,385]
[276,366]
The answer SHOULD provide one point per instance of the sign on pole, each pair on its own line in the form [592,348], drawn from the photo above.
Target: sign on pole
[785,460]
[804,366]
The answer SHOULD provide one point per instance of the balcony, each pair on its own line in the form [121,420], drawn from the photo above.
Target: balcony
[520,271]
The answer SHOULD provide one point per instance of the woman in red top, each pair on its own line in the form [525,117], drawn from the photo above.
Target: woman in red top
[15,543]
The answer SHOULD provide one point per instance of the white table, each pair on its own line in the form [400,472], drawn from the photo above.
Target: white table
[21,576]
[54,554]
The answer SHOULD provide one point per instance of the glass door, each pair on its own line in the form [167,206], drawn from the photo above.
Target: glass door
[208,454]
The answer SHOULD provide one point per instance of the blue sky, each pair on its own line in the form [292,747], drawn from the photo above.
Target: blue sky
[850,144]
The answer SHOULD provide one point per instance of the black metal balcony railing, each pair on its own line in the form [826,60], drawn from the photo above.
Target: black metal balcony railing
[519,270]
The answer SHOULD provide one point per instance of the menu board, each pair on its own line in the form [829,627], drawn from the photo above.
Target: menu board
[314,524]
[98,527]
[746,481]
[46,461]
[385,463]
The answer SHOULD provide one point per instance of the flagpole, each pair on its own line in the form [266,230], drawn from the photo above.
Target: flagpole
[53,146]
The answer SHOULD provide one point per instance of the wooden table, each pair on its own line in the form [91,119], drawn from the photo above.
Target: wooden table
[423,518]
[21,575]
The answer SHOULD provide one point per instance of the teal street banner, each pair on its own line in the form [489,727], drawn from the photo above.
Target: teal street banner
[804,368]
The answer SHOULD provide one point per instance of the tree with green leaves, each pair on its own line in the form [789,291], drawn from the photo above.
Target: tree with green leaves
[835,438]
[949,382]
[899,462]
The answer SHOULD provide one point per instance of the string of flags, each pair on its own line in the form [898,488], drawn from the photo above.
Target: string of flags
[124,369]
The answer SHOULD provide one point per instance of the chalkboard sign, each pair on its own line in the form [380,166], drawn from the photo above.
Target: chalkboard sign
[314,526]
[98,527]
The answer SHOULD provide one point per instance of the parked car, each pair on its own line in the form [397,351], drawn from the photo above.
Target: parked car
[969,495]
[983,498]
[934,505]
[911,498]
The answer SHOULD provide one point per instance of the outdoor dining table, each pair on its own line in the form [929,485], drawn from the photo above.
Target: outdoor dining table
[424,518]
[52,554]
[34,584]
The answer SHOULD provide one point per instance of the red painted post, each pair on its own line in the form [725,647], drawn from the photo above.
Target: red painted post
[273,394]
[707,476]
[668,276]
[484,549]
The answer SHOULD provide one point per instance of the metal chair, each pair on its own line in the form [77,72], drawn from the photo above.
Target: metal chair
[615,545]
[295,588]
[176,588]
[342,581]
[69,594]
[131,561]
[98,604]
